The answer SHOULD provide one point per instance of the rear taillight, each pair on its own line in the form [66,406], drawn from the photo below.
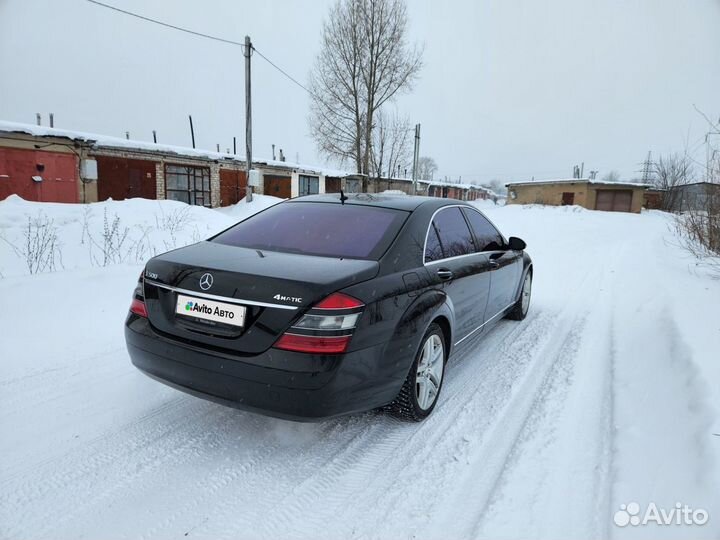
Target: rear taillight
[326,328]
[313,344]
[339,301]
[137,306]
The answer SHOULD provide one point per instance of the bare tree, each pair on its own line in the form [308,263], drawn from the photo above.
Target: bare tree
[427,167]
[612,176]
[497,186]
[391,144]
[699,227]
[364,62]
[671,172]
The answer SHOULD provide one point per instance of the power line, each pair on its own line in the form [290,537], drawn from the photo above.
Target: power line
[282,71]
[203,35]
[167,25]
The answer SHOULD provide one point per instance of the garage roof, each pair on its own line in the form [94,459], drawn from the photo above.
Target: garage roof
[578,181]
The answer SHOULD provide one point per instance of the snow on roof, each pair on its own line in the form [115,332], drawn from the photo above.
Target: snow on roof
[576,181]
[460,185]
[435,183]
[106,141]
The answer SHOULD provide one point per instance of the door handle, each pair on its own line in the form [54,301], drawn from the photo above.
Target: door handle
[494,264]
[445,274]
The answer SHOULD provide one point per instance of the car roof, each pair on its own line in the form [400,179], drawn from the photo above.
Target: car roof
[397,202]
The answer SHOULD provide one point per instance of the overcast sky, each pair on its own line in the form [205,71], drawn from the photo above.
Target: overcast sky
[510,88]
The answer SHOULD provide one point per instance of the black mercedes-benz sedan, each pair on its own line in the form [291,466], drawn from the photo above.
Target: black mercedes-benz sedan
[327,305]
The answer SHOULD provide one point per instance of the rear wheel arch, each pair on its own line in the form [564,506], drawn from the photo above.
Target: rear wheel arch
[444,325]
[410,328]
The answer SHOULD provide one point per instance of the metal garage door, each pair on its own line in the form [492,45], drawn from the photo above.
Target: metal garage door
[614,200]
[122,178]
[277,186]
[332,185]
[232,186]
[309,185]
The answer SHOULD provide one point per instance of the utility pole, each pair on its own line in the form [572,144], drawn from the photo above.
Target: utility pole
[247,51]
[192,131]
[415,158]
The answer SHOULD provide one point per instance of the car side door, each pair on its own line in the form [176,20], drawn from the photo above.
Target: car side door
[455,264]
[505,263]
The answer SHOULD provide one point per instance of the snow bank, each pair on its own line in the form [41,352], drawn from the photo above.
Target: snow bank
[42,237]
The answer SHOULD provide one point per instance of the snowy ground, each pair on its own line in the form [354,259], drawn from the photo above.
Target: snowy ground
[606,394]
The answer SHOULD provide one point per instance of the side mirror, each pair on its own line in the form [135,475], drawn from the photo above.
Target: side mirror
[516,244]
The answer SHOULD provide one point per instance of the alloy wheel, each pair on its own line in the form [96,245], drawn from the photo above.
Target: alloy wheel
[429,371]
[527,289]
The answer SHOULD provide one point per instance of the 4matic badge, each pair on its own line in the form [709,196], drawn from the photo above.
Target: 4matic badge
[284,298]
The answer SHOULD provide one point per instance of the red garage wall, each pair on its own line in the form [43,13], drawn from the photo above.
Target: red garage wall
[59,174]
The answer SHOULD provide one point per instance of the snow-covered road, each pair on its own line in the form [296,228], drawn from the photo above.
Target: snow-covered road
[606,394]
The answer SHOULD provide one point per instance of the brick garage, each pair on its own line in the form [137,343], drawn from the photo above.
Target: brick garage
[124,174]
[129,168]
[590,194]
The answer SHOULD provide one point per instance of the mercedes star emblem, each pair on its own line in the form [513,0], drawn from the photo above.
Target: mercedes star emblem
[206,281]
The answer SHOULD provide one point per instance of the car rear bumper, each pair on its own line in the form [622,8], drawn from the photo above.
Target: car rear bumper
[278,383]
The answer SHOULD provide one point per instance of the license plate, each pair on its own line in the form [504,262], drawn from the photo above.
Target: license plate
[210,310]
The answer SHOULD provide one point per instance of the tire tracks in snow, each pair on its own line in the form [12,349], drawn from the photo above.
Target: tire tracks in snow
[359,483]
[104,465]
[558,447]
[391,451]
[539,346]
[348,476]
[256,482]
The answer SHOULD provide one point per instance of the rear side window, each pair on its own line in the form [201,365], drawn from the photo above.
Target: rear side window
[489,239]
[327,230]
[453,232]
[433,249]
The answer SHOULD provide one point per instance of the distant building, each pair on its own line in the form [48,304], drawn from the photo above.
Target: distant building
[590,194]
[430,188]
[653,198]
[459,191]
[693,196]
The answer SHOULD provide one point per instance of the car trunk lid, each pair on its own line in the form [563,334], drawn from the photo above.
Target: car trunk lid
[274,288]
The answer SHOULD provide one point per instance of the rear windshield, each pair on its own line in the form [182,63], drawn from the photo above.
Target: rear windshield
[328,230]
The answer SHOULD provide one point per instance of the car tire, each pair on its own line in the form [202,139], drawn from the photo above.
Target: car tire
[520,309]
[420,392]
